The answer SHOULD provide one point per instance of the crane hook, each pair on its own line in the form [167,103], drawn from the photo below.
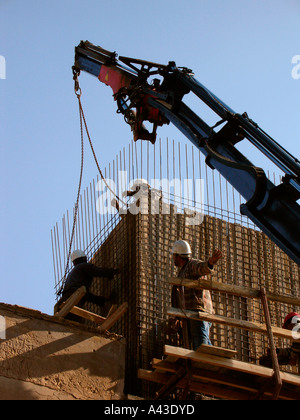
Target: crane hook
[77,88]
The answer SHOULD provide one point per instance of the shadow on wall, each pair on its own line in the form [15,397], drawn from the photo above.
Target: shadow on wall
[40,359]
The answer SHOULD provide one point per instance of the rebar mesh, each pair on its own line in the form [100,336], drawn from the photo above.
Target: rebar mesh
[140,244]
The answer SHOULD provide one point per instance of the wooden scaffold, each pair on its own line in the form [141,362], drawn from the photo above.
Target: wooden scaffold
[104,323]
[215,371]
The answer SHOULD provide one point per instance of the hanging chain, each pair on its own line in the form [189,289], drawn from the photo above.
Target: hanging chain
[82,116]
[78,93]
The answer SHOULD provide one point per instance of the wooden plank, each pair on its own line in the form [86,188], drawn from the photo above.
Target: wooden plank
[217,351]
[71,302]
[275,362]
[208,375]
[232,322]
[164,365]
[218,361]
[87,315]
[222,378]
[230,364]
[112,310]
[109,322]
[232,289]
[184,323]
[198,387]
[171,384]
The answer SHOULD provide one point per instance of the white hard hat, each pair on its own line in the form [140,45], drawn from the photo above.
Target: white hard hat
[77,254]
[140,183]
[182,248]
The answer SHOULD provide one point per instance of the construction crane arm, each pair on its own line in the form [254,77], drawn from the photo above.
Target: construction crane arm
[151,92]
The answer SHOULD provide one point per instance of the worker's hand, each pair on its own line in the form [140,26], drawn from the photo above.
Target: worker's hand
[113,272]
[216,256]
[175,325]
[266,361]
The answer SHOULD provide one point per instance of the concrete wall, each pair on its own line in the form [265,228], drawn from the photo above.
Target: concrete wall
[43,358]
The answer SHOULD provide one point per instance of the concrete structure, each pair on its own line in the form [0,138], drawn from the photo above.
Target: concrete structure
[43,358]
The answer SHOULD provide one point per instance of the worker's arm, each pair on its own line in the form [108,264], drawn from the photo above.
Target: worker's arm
[295,353]
[198,269]
[103,272]
[284,355]
[216,256]
[203,268]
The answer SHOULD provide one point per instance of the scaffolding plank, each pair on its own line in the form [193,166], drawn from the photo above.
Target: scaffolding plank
[232,289]
[112,310]
[218,361]
[109,322]
[232,322]
[71,302]
[198,387]
[235,365]
[217,351]
[221,377]
[87,315]
[209,375]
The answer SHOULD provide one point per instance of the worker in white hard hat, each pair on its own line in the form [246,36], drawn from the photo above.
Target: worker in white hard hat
[139,190]
[194,299]
[83,274]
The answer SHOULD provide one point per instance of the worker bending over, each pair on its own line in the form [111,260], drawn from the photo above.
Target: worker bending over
[193,299]
[83,274]
[289,355]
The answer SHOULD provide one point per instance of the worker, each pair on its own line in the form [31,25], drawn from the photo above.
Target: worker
[138,197]
[289,355]
[193,299]
[83,274]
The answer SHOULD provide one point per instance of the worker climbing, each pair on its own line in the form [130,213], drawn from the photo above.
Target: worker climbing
[83,274]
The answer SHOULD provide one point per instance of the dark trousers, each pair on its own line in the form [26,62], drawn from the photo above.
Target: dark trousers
[96,300]
[199,332]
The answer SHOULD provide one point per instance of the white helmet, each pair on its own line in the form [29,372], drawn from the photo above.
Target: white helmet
[140,183]
[182,248]
[77,254]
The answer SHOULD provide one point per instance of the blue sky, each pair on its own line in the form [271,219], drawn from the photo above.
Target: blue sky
[241,50]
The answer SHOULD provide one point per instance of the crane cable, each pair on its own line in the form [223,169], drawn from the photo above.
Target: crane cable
[78,94]
[82,119]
